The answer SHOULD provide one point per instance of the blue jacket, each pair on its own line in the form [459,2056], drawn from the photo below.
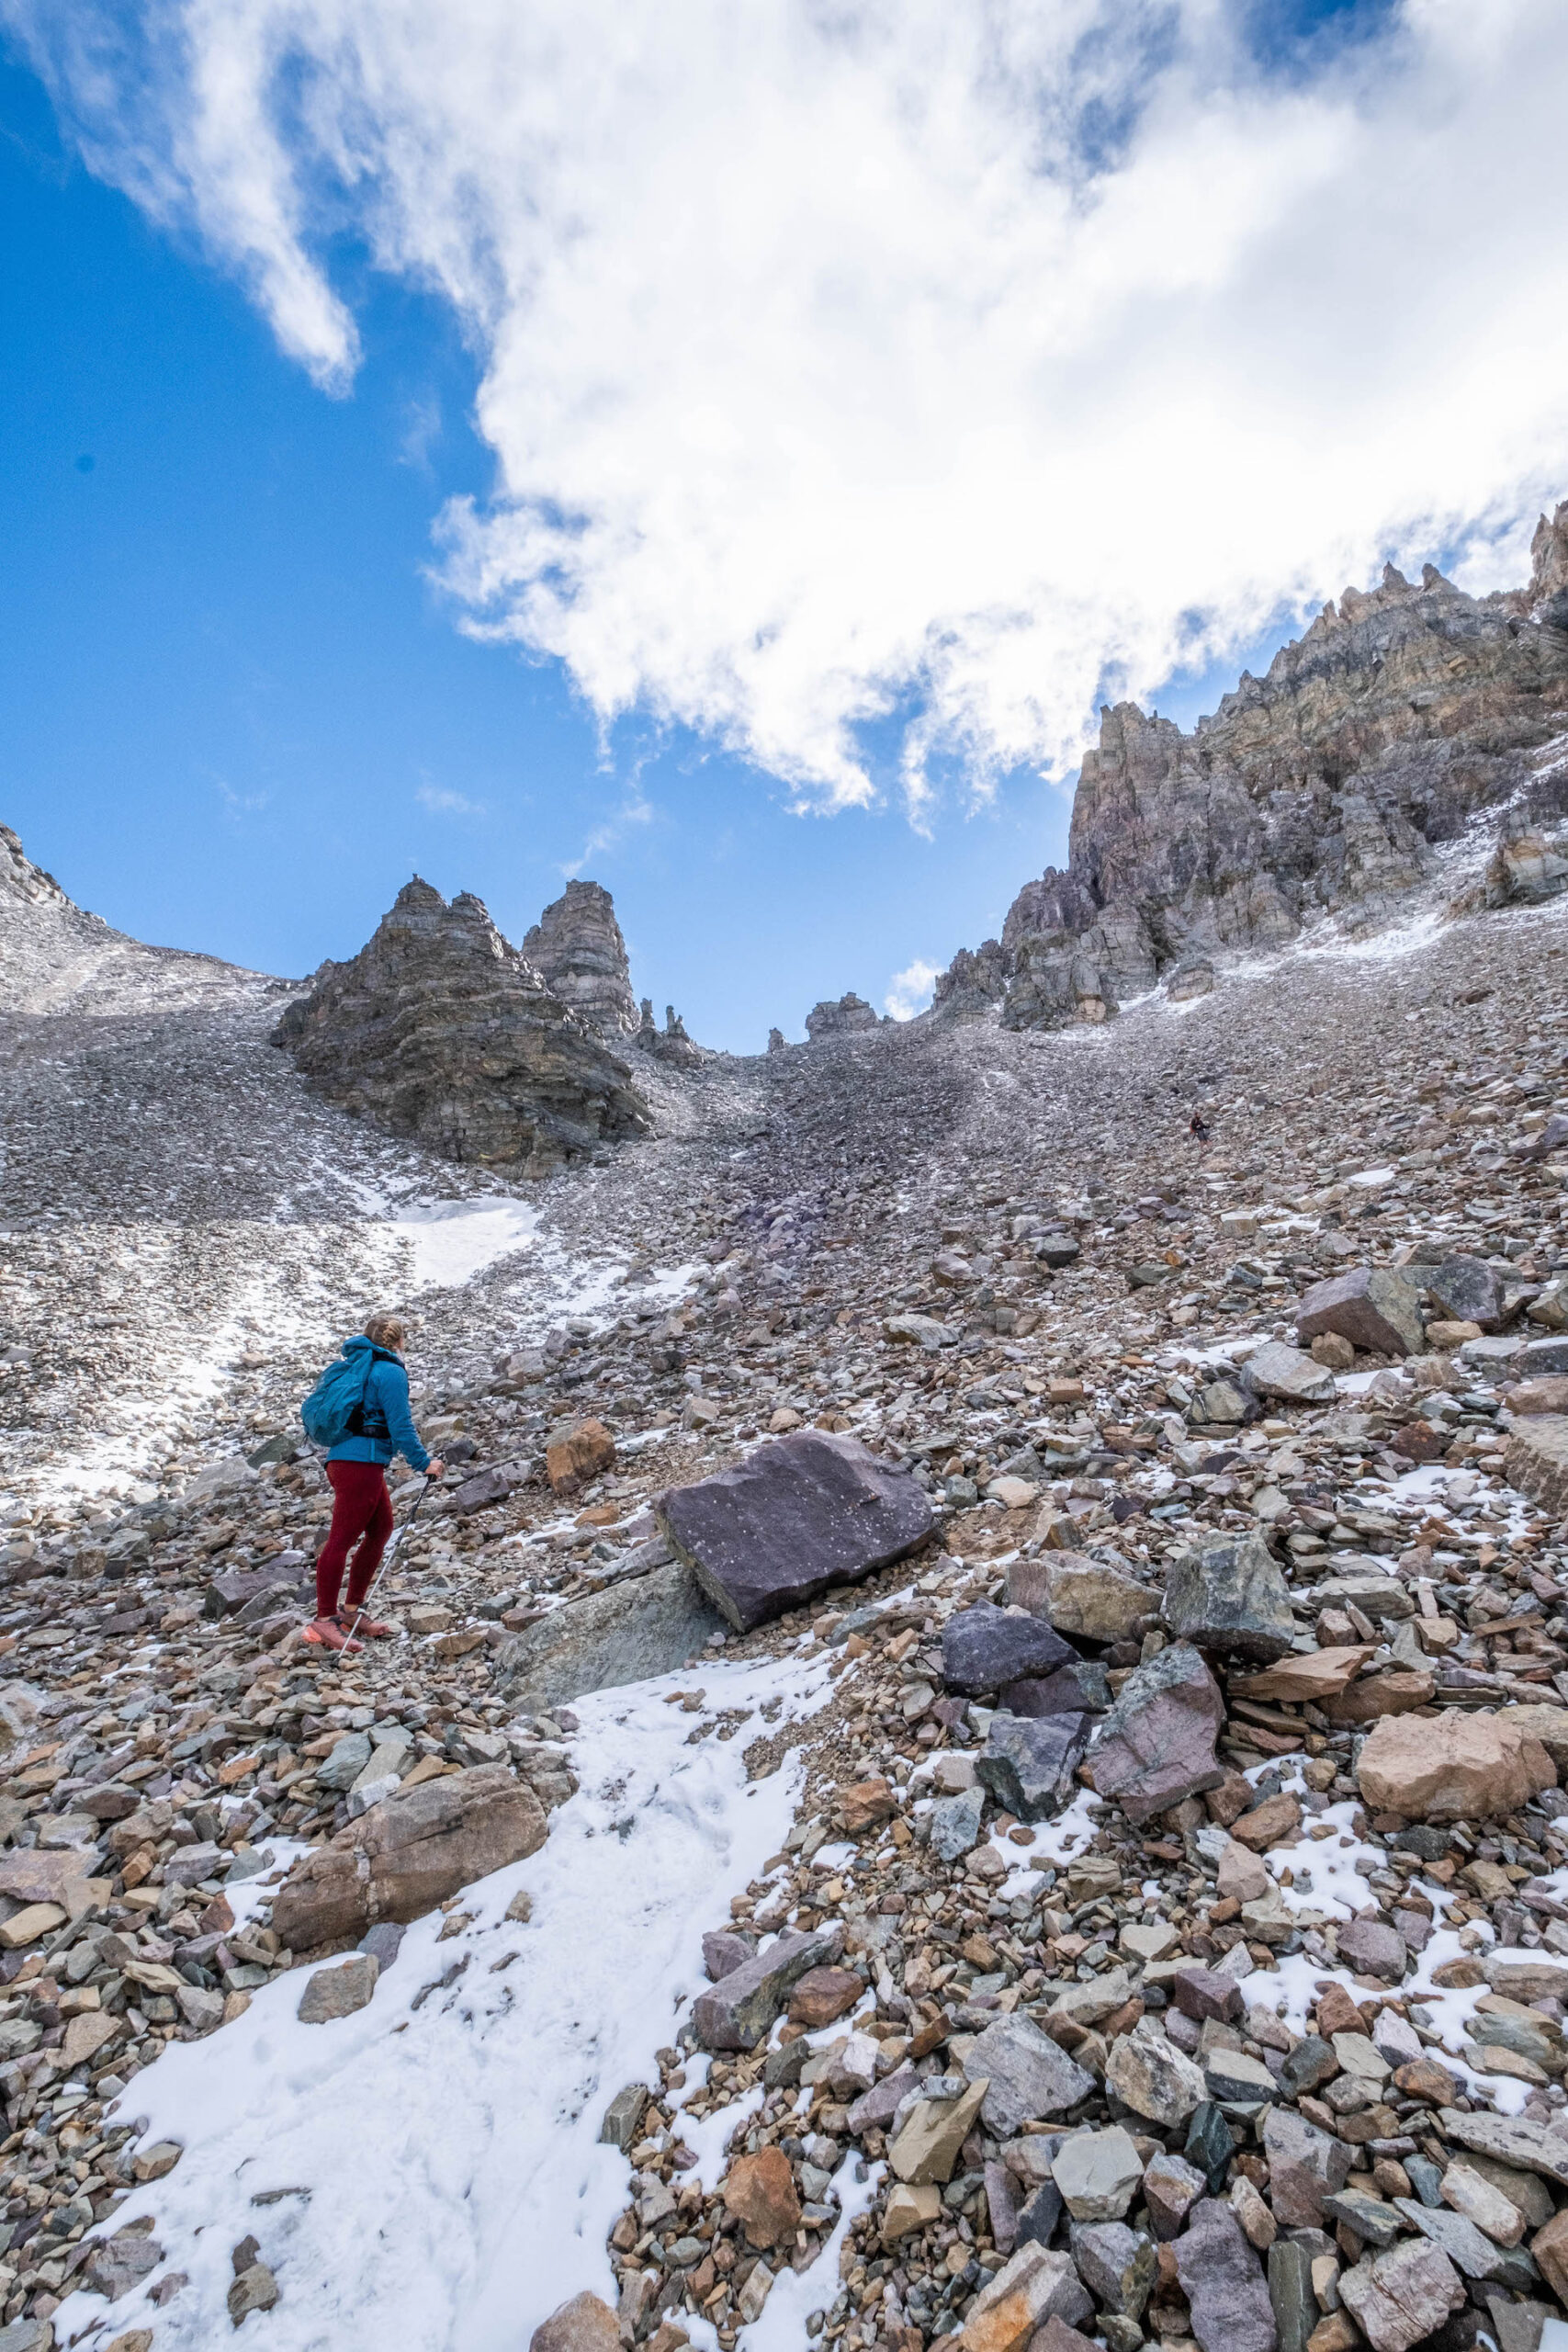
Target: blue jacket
[389,1424]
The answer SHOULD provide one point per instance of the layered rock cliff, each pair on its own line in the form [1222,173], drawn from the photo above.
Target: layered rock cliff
[1329,786]
[577,948]
[438,1029]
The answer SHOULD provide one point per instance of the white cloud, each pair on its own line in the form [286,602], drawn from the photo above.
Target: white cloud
[940,363]
[442,803]
[910,991]
[635,809]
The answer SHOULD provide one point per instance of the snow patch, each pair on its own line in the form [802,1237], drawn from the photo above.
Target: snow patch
[432,2173]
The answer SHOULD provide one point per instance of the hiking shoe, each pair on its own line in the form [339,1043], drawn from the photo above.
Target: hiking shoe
[369,1629]
[328,1634]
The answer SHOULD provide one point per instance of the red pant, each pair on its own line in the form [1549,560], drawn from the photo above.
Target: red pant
[361,1507]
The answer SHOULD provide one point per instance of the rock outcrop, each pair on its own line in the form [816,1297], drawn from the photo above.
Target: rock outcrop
[671,1044]
[438,1029]
[1325,787]
[847,1018]
[577,948]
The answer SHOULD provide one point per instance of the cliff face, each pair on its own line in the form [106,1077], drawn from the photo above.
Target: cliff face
[577,948]
[1326,785]
[438,1029]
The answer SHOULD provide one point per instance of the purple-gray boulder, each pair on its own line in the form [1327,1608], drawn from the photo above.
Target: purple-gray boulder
[985,1646]
[797,1516]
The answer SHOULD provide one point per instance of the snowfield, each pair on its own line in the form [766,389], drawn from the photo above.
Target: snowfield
[428,2173]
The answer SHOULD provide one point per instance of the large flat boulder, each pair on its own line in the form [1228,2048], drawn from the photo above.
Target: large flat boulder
[407,1854]
[645,1625]
[797,1516]
[1452,1767]
[1157,1746]
[1376,1308]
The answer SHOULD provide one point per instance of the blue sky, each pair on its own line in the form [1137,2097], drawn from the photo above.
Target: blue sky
[743,410]
[227,680]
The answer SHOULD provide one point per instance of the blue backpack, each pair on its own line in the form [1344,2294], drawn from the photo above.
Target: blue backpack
[335,1406]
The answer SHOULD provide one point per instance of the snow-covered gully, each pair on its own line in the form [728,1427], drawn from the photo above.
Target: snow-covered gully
[428,2172]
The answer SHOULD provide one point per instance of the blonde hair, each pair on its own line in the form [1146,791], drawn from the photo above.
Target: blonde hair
[386,1332]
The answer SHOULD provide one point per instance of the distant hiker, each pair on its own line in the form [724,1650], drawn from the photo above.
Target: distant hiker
[1198,1127]
[359,1412]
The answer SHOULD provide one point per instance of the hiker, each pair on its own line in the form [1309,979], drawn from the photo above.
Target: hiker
[361,1406]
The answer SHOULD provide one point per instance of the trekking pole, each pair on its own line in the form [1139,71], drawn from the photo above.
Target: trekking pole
[392,1542]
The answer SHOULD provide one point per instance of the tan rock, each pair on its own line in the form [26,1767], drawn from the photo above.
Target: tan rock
[1452,1767]
[1400,2296]
[578,1454]
[759,2191]
[1549,1724]
[866,1803]
[409,1853]
[1316,1674]
[1549,2247]
[1535,1459]
[909,2209]
[1243,1877]
[87,2035]
[1267,1823]
[1080,1596]
[1398,1692]
[585,2324]
[927,2148]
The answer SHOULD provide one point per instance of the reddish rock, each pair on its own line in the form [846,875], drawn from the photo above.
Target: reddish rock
[578,1454]
[585,2324]
[822,1994]
[759,2191]
[1452,1767]
[1267,1823]
[866,1803]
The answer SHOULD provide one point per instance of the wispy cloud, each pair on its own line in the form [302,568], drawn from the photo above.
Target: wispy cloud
[635,809]
[239,804]
[442,803]
[422,430]
[910,991]
[943,365]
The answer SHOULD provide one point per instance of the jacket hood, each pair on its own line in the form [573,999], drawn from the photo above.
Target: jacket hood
[359,1344]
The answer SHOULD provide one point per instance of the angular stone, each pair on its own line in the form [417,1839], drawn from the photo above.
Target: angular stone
[1512,2138]
[645,1625]
[622,2118]
[738,2012]
[1085,1597]
[909,2209]
[1031,2289]
[1203,1993]
[1031,2077]
[586,2323]
[578,1454]
[1171,2187]
[1549,2247]
[797,1515]
[759,2191]
[1315,1674]
[118,2264]
[1378,1308]
[1304,2165]
[1467,2248]
[1466,1290]
[985,1646]
[408,1854]
[1097,2174]
[1536,1457]
[1117,2265]
[1152,2077]
[1454,1767]
[338,1992]
[1276,1818]
[955,1824]
[344,1766]
[1028,1763]
[1376,1695]
[866,1805]
[1236,2078]
[1230,1596]
[877,2107]
[1290,2292]
[1400,2296]
[1289,1373]
[1487,2206]
[927,2144]
[1157,1746]
[1079,1689]
[822,1994]
[1223,2281]
[230,1591]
